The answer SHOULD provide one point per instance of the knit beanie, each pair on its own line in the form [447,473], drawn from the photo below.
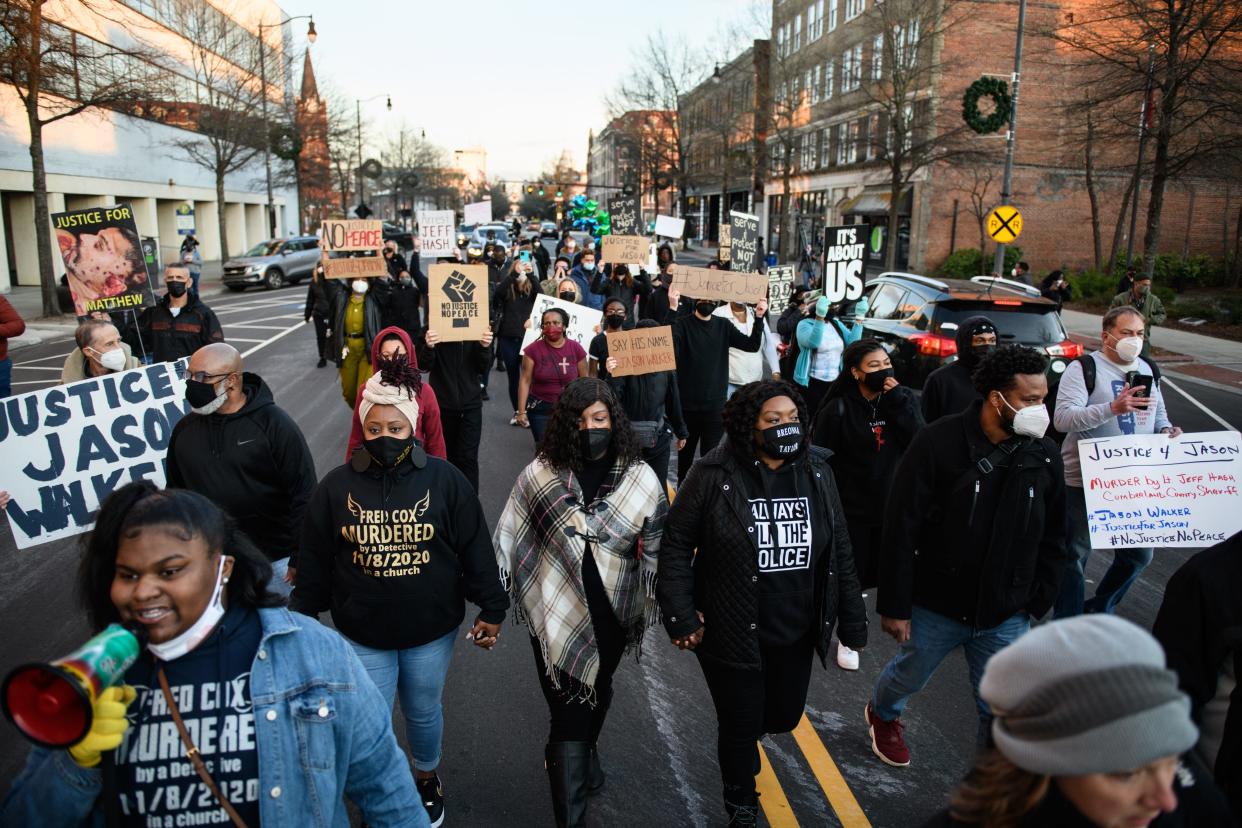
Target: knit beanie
[1089,694]
[375,392]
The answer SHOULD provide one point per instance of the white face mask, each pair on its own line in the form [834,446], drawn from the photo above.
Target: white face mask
[200,629]
[113,360]
[1031,421]
[360,286]
[1128,348]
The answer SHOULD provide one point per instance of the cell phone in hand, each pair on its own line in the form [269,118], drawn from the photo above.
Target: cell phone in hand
[1135,380]
[525,256]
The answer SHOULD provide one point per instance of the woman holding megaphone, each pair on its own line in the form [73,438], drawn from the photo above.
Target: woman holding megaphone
[234,713]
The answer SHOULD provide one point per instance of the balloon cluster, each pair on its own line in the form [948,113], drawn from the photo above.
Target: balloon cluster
[589,216]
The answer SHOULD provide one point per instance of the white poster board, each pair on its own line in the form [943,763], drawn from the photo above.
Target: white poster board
[584,322]
[436,234]
[68,447]
[478,213]
[1152,490]
[674,228]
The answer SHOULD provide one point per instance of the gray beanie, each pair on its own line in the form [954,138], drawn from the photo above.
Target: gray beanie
[1085,695]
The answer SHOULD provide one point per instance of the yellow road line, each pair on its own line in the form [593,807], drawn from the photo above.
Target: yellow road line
[838,792]
[772,796]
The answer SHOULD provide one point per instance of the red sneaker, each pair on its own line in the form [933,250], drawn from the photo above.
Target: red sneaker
[886,739]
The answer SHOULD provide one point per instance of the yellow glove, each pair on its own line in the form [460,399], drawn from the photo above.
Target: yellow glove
[107,726]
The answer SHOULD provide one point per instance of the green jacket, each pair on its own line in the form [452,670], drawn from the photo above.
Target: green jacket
[1149,306]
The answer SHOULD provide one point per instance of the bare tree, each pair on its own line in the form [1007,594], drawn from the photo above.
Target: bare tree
[789,114]
[228,133]
[1195,113]
[59,74]
[976,191]
[724,129]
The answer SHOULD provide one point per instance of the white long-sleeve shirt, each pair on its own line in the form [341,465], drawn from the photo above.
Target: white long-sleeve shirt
[1083,418]
[747,366]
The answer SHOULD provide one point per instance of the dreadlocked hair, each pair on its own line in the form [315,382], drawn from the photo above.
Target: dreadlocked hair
[742,410]
[396,371]
[560,450]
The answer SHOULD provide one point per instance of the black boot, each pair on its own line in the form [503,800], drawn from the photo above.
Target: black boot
[568,764]
[595,773]
[742,806]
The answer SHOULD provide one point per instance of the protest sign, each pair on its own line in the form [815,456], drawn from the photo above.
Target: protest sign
[673,228]
[780,285]
[70,446]
[744,242]
[584,322]
[722,285]
[351,235]
[844,251]
[353,267]
[625,249]
[436,234]
[642,351]
[457,302]
[478,213]
[625,216]
[104,263]
[1152,490]
[726,241]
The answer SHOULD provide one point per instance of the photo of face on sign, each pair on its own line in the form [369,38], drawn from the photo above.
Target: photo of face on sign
[101,262]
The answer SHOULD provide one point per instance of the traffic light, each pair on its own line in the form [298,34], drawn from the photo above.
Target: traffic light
[541,189]
[530,188]
[558,192]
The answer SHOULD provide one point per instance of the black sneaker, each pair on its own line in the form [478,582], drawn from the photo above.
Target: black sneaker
[431,792]
[321,363]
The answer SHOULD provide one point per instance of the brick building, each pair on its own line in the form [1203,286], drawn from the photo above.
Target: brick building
[825,55]
[631,150]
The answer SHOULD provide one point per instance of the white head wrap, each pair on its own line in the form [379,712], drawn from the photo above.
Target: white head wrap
[375,392]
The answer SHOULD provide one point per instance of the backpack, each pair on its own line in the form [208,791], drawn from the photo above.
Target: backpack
[1088,378]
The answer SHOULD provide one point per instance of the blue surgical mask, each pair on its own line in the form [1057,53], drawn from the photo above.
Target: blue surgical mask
[588,266]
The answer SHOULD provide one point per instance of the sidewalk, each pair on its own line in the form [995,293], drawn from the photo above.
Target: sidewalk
[1189,356]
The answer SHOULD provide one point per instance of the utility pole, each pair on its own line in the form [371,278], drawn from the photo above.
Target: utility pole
[1144,115]
[998,265]
[267,130]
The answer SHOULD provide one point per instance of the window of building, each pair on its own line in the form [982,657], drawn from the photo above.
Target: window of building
[813,83]
[780,41]
[853,8]
[825,146]
[774,159]
[828,79]
[810,146]
[852,142]
[815,21]
[877,56]
[781,92]
[832,15]
[841,138]
[797,32]
[912,41]
[851,68]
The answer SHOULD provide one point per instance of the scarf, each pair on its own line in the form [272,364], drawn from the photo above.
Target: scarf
[540,541]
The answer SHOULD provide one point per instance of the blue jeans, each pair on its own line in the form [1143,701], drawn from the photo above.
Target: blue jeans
[932,638]
[195,275]
[278,585]
[6,377]
[538,417]
[418,673]
[1121,574]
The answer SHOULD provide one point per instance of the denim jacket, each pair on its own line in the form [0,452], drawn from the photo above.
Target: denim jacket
[307,762]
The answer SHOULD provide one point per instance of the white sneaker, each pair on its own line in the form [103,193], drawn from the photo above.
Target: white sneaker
[847,659]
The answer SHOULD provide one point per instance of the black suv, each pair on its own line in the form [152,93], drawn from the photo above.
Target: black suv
[916,317]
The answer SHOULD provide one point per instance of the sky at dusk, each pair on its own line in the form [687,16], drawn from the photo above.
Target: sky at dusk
[523,79]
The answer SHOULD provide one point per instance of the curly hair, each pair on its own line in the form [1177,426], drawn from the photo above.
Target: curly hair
[997,370]
[397,371]
[559,448]
[742,409]
[185,515]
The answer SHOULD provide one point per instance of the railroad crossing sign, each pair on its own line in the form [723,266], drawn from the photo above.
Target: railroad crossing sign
[1004,224]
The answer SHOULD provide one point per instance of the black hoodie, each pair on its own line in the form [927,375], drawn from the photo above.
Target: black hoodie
[168,338]
[395,555]
[253,463]
[949,390]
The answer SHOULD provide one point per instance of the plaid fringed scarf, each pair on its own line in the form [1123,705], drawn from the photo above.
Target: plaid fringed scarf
[540,541]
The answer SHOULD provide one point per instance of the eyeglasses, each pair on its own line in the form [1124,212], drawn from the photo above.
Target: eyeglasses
[203,376]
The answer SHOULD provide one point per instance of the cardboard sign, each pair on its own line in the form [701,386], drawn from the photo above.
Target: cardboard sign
[845,248]
[457,306]
[351,235]
[437,236]
[478,213]
[353,267]
[625,249]
[642,351]
[625,215]
[1152,490]
[721,285]
[726,241]
[744,242]
[104,263]
[584,322]
[780,285]
[71,446]
[674,228]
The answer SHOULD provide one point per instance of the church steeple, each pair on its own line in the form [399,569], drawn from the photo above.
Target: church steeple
[310,90]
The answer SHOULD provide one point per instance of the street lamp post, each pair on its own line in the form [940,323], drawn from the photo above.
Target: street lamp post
[358,102]
[267,132]
[999,264]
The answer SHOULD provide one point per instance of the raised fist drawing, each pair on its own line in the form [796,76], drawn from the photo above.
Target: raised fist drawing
[458,288]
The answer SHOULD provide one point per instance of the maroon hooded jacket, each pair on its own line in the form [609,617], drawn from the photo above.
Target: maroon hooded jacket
[427,429]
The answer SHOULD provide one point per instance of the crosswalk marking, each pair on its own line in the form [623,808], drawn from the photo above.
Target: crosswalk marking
[840,797]
[772,796]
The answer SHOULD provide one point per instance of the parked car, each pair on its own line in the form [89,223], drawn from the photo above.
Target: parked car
[404,238]
[272,263]
[548,230]
[497,233]
[916,317]
[463,234]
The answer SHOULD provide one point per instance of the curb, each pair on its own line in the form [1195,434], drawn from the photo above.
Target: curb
[37,335]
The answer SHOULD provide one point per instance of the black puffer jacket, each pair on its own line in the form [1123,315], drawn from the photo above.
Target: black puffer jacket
[948,390]
[711,514]
[373,309]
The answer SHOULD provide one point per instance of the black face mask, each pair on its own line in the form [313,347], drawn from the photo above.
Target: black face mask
[615,320]
[704,308]
[875,380]
[566,296]
[176,289]
[782,441]
[389,451]
[980,351]
[199,394]
[594,442]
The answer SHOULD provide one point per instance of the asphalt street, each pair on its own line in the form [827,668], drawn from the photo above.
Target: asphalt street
[658,746]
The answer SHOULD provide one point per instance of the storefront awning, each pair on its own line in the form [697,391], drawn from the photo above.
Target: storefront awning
[872,202]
